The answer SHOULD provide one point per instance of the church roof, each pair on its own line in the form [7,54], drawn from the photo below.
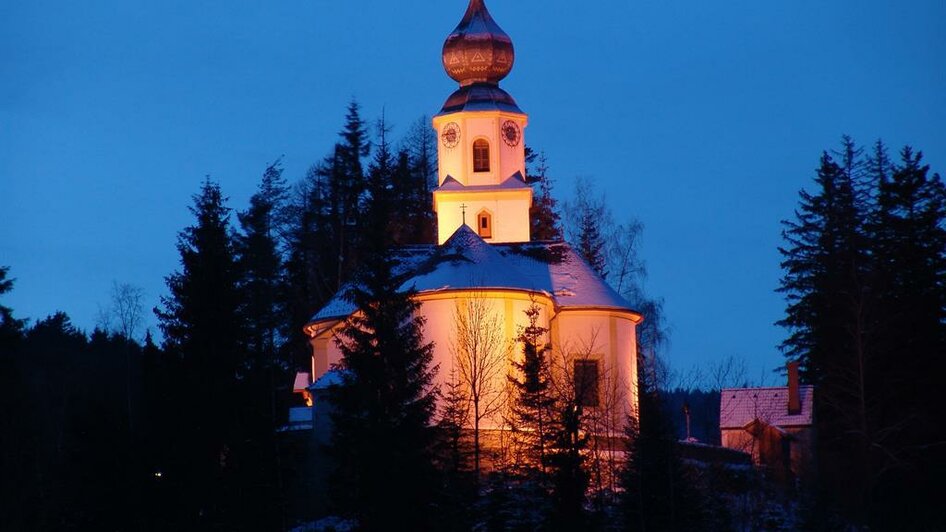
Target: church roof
[478,50]
[480,97]
[739,407]
[466,261]
[514,182]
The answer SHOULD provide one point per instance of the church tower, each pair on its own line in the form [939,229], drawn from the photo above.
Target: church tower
[481,149]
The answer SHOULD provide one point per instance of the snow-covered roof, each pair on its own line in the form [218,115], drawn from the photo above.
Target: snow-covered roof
[332,377]
[739,407]
[409,259]
[466,261]
[301,382]
[300,418]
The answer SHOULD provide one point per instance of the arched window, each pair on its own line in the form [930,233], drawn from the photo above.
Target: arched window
[484,224]
[480,155]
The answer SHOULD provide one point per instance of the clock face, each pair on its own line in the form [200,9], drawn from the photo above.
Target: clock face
[450,136]
[511,133]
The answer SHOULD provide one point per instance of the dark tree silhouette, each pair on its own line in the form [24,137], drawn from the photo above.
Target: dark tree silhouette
[384,407]
[904,422]
[202,326]
[864,276]
[263,372]
[588,220]
[543,215]
[533,408]
[656,493]
[10,328]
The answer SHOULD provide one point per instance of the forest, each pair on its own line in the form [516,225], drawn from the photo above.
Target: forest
[182,428]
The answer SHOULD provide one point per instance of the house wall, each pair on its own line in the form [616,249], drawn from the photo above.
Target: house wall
[763,448]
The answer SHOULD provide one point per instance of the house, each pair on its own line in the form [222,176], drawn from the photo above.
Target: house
[774,425]
[484,273]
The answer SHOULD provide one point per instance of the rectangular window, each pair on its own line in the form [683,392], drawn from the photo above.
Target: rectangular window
[485,221]
[586,382]
[480,156]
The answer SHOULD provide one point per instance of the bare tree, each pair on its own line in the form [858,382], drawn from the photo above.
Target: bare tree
[604,423]
[123,317]
[125,312]
[729,372]
[481,353]
[627,269]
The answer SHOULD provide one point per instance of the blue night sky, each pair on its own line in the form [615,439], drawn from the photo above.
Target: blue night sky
[702,119]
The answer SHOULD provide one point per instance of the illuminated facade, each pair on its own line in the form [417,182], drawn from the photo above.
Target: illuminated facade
[481,153]
[484,259]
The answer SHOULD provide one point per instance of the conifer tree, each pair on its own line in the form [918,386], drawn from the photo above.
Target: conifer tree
[11,329]
[909,274]
[826,292]
[421,148]
[346,184]
[383,408]
[823,266]
[543,215]
[588,220]
[259,262]
[655,491]
[534,402]
[202,326]
[864,276]
[567,465]
[306,239]
[260,268]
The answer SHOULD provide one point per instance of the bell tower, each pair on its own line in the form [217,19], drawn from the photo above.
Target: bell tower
[481,147]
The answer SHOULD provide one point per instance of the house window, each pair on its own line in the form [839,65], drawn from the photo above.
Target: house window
[484,224]
[481,155]
[586,382]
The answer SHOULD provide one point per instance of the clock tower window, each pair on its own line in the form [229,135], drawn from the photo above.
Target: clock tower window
[481,155]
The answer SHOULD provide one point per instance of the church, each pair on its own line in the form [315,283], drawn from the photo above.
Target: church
[485,272]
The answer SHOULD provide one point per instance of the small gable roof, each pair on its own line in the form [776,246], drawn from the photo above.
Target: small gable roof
[301,382]
[738,407]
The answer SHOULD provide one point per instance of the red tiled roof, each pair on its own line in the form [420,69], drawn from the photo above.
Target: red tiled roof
[740,406]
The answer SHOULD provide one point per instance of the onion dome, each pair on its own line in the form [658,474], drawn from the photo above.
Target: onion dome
[478,50]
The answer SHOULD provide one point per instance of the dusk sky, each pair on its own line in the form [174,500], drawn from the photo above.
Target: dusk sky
[701,119]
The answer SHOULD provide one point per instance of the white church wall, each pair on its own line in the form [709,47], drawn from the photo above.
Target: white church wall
[457,161]
[509,212]
[606,336]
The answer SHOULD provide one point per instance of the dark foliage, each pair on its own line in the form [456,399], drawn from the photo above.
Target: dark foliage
[533,408]
[216,459]
[865,278]
[703,407]
[591,244]
[69,396]
[384,407]
[543,215]
[569,476]
[657,491]
[10,328]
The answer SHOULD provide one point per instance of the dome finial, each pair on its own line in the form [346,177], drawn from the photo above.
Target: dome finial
[478,50]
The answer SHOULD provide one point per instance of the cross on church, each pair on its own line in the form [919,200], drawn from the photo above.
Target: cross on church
[463,210]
